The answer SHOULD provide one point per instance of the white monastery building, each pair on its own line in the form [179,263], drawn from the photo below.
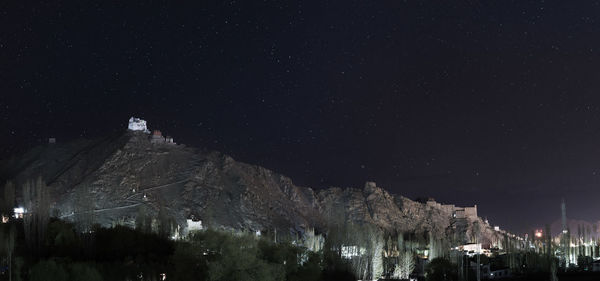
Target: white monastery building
[137,124]
[140,125]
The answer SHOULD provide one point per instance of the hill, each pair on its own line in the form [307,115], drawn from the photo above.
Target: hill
[117,176]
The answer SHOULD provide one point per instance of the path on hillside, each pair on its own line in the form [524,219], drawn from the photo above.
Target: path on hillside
[103,210]
[139,192]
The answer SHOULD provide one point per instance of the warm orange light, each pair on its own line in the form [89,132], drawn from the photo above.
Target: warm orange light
[538,233]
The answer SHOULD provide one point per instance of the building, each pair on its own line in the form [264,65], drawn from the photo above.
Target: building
[194,225]
[498,273]
[19,212]
[470,249]
[447,208]
[169,140]
[137,124]
[469,213]
[51,140]
[157,137]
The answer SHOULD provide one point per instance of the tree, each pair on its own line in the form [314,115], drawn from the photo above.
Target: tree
[405,266]
[440,269]
[361,239]
[166,224]
[48,271]
[10,248]
[477,236]
[237,258]
[435,246]
[143,221]
[8,201]
[553,276]
[189,260]
[84,208]
[377,263]
[584,262]
[310,270]
[84,272]
[37,205]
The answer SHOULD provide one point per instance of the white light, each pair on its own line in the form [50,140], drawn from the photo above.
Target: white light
[19,210]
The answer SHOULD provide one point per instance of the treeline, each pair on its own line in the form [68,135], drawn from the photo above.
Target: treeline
[122,253]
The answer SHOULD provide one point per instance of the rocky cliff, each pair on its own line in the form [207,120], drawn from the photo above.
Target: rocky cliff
[122,173]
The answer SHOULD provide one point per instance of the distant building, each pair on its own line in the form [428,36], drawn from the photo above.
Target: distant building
[157,137]
[469,213]
[490,272]
[18,212]
[51,140]
[194,224]
[169,140]
[473,249]
[137,124]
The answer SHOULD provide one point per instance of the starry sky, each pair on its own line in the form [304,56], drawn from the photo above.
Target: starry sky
[495,104]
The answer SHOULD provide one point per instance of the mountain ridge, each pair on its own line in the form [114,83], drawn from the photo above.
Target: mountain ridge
[125,172]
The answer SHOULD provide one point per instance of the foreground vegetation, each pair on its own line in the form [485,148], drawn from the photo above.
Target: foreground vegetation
[122,253]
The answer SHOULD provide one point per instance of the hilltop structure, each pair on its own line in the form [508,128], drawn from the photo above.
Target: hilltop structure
[157,137]
[469,213]
[140,125]
[137,124]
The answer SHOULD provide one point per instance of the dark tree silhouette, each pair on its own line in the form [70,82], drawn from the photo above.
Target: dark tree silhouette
[37,205]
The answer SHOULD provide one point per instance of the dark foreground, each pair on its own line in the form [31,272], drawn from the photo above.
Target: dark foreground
[572,276]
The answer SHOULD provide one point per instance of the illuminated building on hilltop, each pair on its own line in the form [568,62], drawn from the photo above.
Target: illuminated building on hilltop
[137,124]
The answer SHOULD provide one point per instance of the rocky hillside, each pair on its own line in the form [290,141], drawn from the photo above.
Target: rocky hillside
[122,173]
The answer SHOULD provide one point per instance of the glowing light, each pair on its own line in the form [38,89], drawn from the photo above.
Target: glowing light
[19,212]
[538,233]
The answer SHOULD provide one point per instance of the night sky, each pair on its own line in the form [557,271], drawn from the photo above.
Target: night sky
[495,104]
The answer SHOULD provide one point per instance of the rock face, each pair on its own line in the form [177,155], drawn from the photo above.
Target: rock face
[125,172]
